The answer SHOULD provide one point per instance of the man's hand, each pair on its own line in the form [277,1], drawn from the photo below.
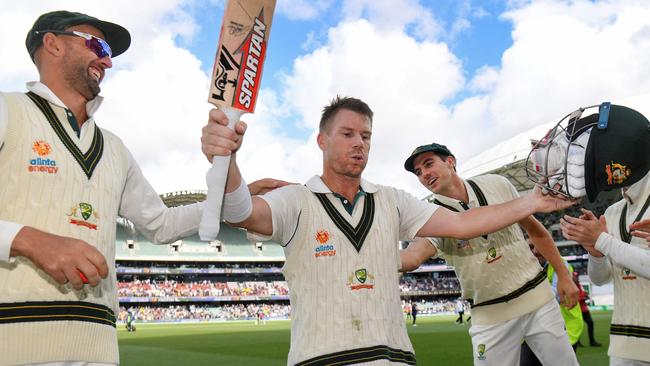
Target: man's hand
[218,139]
[63,258]
[265,185]
[545,202]
[568,291]
[584,229]
[641,229]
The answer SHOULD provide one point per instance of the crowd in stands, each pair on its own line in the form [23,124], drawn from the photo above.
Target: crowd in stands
[206,313]
[429,284]
[171,288]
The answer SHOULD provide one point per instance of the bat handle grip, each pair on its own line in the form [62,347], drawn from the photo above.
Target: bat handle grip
[216,180]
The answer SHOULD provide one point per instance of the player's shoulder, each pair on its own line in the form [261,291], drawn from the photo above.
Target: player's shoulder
[492,179]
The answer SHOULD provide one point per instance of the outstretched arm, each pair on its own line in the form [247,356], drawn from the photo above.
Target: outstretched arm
[418,251]
[540,237]
[488,219]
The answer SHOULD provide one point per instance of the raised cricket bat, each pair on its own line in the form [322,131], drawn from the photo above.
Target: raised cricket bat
[235,84]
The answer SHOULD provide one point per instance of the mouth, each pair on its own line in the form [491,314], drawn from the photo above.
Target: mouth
[432,181]
[95,73]
[357,158]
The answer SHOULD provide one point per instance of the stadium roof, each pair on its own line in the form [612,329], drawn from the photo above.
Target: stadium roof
[506,158]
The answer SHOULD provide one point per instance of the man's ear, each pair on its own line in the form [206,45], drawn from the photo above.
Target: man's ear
[51,44]
[322,140]
[452,162]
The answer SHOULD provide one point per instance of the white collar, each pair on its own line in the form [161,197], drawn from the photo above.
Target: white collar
[316,185]
[43,91]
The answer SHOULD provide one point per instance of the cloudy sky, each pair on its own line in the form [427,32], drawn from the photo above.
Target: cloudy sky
[465,73]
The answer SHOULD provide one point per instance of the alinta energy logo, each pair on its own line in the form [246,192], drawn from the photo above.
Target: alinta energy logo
[324,249]
[42,164]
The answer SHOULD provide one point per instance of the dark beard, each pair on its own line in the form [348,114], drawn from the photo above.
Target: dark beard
[78,78]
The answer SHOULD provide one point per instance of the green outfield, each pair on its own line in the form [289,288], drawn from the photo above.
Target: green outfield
[437,341]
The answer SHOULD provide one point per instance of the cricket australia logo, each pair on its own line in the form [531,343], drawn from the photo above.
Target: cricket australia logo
[492,255]
[84,215]
[42,164]
[627,274]
[617,173]
[361,279]
[481,350]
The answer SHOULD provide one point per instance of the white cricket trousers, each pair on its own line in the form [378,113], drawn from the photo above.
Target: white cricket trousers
[500,344]
[617,361]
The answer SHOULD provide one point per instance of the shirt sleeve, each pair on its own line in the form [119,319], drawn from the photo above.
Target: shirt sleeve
[630,256]
[599,270]
[8,231]
[145,209]
[4,119]
[413,214]
[285,206]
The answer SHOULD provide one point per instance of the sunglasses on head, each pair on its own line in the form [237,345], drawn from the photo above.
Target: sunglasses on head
[99,46]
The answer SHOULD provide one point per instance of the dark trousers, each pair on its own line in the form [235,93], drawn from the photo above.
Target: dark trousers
[415,315]
[460,317]
[586,316]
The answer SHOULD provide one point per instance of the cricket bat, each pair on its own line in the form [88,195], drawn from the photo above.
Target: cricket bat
[236,77]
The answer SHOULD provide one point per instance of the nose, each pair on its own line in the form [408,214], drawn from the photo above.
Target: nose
[106,62]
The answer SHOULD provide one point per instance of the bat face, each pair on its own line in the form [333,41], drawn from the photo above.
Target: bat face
[240,55]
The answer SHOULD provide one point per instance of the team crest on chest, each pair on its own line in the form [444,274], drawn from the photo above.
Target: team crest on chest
[361,279]
[492,255]
[627,274]
[84,215]
[42,163]
[324,249]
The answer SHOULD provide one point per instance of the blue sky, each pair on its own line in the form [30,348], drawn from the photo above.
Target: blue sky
[469,74]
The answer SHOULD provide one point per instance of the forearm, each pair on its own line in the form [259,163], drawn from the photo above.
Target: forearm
[632,257]
[234,175]
[417,253]
[145,209]
[546,246]
[599,270]
[477,221]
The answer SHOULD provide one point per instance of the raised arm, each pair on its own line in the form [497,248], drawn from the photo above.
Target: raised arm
[239,209]
[418,251]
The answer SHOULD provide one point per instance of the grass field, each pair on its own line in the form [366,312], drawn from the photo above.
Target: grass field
[437,341]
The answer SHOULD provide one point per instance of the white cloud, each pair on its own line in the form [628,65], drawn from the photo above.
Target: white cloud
[392,15]
[564,54]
